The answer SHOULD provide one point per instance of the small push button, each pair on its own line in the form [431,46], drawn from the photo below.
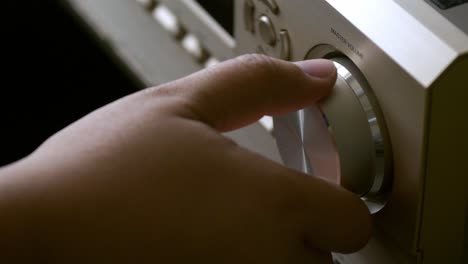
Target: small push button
[266,30]
[168,21]
[285,41]
[192,45]
[249,13]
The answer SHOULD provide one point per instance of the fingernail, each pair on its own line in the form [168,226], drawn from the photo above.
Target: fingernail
[319,68]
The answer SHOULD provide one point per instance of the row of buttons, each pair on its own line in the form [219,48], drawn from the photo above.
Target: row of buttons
[266,28]
[171,24]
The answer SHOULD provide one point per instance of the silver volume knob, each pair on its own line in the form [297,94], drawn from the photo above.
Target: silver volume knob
[342,140]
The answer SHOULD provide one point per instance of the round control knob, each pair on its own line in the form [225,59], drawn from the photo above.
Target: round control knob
[266,30]
[342,140]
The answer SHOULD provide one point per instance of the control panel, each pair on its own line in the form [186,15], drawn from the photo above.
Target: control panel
[375,134]
[180,31]
[259,20]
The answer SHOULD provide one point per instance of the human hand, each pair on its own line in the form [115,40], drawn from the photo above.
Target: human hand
[150,178]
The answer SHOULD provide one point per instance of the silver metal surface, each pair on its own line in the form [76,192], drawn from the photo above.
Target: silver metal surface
[401,47]
[404,49]
[285,42]
[272,5]
[266,30]
[168,21]
[249,16]
[194,47]
[197,21]
[375,122]
[370,16]
[456,14]
[341,140]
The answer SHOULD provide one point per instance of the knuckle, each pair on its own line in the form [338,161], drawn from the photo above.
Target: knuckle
[167,89]
[256,60]
[260,65]
[269,68]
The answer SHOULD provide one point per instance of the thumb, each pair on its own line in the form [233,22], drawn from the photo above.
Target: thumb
[328,217]
[240,91]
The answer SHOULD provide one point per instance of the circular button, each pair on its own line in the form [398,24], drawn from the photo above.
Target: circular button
[342,140]
[267,30]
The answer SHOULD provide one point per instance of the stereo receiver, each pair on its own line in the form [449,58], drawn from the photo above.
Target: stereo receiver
[395,129]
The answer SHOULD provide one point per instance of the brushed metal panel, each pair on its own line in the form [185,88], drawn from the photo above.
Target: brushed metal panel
[137,39]
[153,56]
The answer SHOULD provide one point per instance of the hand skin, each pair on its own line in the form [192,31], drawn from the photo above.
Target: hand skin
[149,178]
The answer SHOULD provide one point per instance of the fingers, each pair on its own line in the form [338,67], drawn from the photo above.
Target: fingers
[327,216]
[336,219]
[240,91]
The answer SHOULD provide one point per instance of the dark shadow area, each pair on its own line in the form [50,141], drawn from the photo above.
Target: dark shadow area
[222,11]
[53,73]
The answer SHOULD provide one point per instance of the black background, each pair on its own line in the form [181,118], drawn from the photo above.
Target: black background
[53,73]
[222,11]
